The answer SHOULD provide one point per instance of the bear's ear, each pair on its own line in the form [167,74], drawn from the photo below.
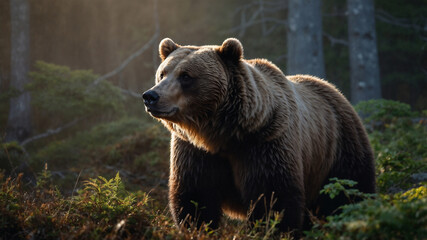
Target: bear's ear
[166,47]
[231,49]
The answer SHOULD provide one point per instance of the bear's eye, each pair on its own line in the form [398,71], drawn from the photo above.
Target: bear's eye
[185,79]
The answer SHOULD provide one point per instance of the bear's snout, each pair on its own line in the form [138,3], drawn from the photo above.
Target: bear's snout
[150,98]
[156,109]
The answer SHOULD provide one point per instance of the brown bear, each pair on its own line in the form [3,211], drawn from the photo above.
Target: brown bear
[244,135]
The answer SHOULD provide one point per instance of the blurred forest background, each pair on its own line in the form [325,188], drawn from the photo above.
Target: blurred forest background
[72,72]
[100,34]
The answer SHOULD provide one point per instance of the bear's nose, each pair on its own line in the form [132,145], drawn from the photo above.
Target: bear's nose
[150,97]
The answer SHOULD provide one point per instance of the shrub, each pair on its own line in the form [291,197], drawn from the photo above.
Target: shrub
[384,111]
[84,146]
[63,94]
[398,216]
[101,210]
[398,142]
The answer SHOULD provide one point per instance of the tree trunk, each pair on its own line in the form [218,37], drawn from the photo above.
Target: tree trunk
[305,45]
[364,70]
[19,121]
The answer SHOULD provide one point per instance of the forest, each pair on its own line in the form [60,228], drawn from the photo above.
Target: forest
[81,159]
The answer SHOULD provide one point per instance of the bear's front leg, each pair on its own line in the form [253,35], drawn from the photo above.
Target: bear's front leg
[195,182]
[273,181]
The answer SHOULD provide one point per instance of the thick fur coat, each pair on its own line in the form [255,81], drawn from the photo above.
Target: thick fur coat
[246,139]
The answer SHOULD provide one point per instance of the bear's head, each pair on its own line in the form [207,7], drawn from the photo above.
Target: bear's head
[191,83]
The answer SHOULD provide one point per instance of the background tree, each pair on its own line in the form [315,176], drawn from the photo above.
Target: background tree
[19,119]
[305,45]
[364,68]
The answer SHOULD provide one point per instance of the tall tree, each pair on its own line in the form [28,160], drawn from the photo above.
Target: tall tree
[305,45]
[19,121]
[364,69]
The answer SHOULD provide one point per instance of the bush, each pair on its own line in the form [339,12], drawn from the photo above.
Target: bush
[85,146]
[384,111]
[62,94]
[398,142]
[137,147]
[399,216]
[395,168]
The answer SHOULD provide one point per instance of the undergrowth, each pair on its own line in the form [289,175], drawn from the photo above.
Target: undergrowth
[394,216]
[101,210]
[399,139]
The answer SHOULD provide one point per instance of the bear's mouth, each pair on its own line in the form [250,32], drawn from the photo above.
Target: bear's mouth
[161,114]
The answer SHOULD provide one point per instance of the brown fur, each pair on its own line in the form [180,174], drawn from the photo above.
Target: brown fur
[240,129]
